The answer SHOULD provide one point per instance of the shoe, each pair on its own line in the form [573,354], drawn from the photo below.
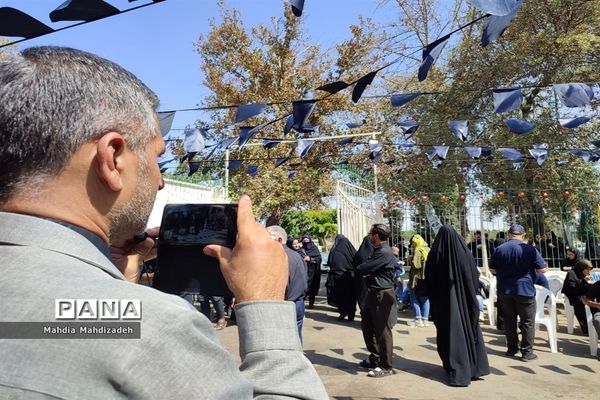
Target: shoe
[529,357]
[380,372]
[221,324]
[311,306]
[510,353]
[415,322]
[368,364]
[350,318]
[425,322]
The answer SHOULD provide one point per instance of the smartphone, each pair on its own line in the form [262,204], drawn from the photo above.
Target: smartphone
[185,230]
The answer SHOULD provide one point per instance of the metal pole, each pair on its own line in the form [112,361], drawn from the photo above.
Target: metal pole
[338,205]
[227,175]
[378,213]
[485,266]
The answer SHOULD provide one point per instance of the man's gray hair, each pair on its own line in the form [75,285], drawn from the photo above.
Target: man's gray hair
[55,99]
[277,232]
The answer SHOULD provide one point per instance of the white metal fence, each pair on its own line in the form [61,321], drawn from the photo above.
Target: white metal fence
[183,192]
[356,211]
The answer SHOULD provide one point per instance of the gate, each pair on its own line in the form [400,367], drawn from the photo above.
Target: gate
[356,211]
[183,192]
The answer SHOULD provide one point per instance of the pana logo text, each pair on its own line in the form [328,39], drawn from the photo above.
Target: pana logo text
[98,309]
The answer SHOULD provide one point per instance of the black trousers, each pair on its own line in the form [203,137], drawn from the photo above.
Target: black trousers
[376,328]
[524,308]
[579,310]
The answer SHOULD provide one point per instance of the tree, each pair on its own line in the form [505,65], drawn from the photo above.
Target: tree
[320,224]
[277,64]
[548,42]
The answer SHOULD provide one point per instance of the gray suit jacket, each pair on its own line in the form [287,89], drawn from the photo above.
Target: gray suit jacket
[178,355]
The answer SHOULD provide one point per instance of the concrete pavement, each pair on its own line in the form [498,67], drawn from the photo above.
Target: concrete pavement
[335,348]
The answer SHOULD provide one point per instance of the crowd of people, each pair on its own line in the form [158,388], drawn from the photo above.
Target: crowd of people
[445,285]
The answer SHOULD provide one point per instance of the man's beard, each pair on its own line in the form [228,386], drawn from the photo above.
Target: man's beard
[132,217]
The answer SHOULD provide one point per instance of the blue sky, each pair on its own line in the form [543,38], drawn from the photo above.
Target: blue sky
[157,42]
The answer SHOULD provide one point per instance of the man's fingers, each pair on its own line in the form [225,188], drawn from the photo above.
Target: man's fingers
[245,217]
[153,232]
[221,253]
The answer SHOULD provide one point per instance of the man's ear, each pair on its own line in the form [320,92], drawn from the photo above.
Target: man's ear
[109,148]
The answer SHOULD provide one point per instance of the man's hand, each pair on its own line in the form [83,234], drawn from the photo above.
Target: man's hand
[590,303]
[257,267]
[129,255]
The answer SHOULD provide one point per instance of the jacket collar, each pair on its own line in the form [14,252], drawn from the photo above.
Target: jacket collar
[26,230]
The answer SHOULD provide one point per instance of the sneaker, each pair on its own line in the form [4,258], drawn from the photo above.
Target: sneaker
[425,322]
[369,364]
[380,372]
[415,322]
[510,353]
[529,357]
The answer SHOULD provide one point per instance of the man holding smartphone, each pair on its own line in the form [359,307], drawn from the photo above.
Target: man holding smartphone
[380,313]
[77,171]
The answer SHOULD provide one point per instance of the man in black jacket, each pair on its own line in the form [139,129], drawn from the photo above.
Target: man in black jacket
[379,314]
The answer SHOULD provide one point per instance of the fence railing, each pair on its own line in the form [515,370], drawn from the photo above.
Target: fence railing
[183,192]
[554,234]
[356,211]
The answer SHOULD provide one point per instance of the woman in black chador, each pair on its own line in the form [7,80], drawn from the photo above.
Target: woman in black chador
[364,252]
[314,269]
[452,281]
[340,281]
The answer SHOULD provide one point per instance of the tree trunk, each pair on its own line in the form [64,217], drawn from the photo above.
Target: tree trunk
[274,218]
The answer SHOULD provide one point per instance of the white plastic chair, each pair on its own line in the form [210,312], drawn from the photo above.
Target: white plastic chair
[549,319]
[570,315]
[488,303]
[592,334]
[556,284]
[555,272]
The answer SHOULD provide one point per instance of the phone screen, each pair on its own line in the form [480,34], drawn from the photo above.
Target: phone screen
[199,224]
[185,230]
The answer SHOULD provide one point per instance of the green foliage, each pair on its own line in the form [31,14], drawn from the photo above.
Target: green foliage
[549,41]
[588,224]
[321,224]
[560,44]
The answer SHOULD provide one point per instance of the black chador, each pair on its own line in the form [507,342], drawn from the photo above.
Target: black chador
[452,281]
[340,281]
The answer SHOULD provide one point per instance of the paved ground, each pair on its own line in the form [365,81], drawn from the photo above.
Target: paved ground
[336,347]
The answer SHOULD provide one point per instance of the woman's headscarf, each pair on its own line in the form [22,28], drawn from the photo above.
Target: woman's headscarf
[417,241]
[364,251]
[310,248]
[341,255]
[289,243]
[571,263]
[580,265]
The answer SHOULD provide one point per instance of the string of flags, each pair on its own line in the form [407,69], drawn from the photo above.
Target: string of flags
[498,12]
[16,23]
[571,95]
